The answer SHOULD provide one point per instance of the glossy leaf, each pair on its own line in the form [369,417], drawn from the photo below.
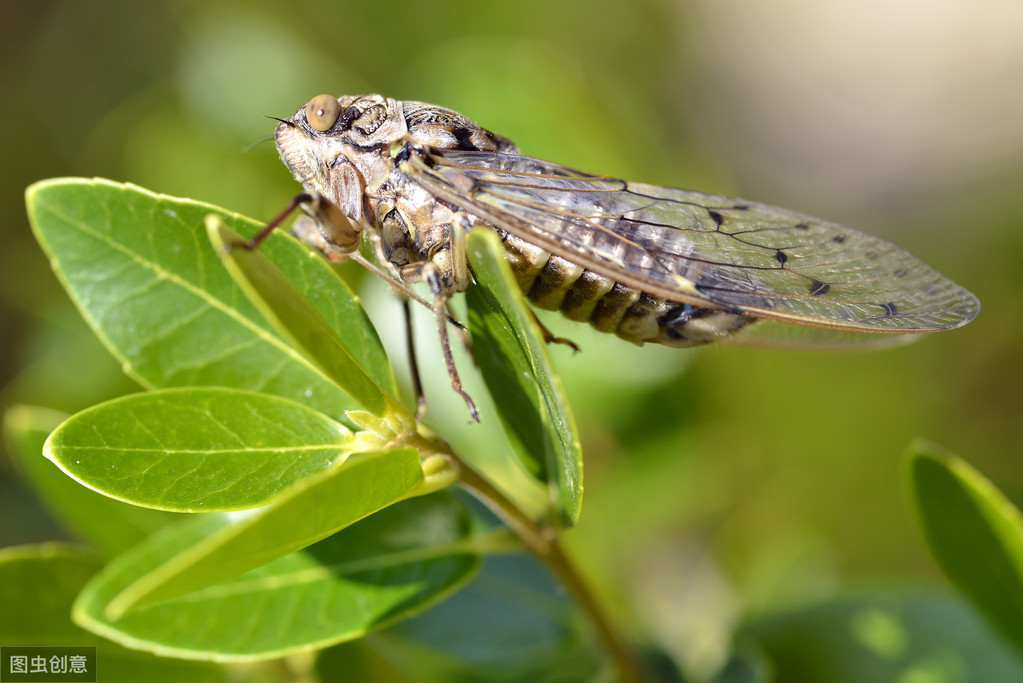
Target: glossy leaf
[140,269]
[386,568]
[302,515]
[295,318]
[518,370]
[513,622]
[38,585]
[196,450]
[109,525]
[975,534]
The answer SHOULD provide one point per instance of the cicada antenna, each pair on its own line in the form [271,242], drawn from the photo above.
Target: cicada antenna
[258,141]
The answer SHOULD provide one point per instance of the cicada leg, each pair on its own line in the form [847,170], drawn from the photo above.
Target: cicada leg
[340,234]
[550,338]
[433,279]
[463,334]
[413,363]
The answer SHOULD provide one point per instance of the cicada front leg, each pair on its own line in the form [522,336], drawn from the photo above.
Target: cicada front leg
[340,235]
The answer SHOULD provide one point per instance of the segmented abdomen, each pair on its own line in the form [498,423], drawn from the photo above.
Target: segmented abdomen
[556,284]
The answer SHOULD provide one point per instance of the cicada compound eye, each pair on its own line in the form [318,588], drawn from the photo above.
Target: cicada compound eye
[322,111]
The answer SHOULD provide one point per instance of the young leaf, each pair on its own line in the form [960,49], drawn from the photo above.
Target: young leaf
[196,450]
[517,368]
[295,319]
[975,534]
[384,569]
[300,516]
[140,269]
[39,583]
[110,525]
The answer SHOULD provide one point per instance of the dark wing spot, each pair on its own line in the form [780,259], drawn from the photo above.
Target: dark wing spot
[781,257]
[741,207]
[802,226]
[838,239]
[817,288]
[889,309]
[716,217]
[901,272]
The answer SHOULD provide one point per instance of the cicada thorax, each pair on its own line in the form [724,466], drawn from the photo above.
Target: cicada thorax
[412,230]
[415,230]
[444,129]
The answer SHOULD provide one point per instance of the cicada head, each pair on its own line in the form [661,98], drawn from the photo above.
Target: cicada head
[328,128]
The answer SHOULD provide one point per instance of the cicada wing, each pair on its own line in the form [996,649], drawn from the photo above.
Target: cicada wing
[702,249]
[776,334]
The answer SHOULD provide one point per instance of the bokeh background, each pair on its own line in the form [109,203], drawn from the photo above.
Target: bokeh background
[720,483]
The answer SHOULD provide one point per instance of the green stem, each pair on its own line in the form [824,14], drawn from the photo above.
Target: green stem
[545,543]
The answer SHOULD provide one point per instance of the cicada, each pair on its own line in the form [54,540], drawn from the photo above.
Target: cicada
[648,263]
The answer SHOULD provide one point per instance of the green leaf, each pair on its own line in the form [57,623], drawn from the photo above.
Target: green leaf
[43,616]
[518,370]
[513,622]
[747,665]
[883,636]
[110,525]
[140,269]
[975,534]
[295,319]
[196,450]
[38,585]
[386,568]
[302,515]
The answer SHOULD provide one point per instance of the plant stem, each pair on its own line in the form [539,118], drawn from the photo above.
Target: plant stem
[545,543]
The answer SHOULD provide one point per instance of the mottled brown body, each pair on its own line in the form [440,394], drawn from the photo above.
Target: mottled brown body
[358,165]
[648,263]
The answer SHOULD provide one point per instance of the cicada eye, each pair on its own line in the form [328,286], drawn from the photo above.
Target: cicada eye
[322,111]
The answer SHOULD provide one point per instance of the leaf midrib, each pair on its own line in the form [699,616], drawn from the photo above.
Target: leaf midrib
[201,294]
[208,451]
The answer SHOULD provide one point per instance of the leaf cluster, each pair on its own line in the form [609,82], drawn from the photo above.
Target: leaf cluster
[270,407]
[328,521]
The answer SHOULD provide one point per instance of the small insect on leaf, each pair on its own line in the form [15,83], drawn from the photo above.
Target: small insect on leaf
[648,263]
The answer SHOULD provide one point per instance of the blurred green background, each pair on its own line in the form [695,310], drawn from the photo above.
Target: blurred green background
[721,482]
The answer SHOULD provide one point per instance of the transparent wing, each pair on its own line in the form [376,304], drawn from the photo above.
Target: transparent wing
[702,249]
